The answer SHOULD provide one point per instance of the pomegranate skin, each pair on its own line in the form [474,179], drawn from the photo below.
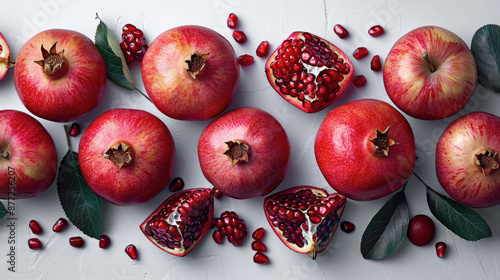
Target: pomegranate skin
[152,150]
[76,92]
[348,159]
[268,156]
[172,88]
[456,167]
[28,156]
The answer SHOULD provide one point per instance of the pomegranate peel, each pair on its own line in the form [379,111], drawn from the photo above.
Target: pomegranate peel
[305,217]
[309,72]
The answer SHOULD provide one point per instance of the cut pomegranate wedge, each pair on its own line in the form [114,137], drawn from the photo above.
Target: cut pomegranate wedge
[309,72]
[305,217]
[181,222]
[6,58]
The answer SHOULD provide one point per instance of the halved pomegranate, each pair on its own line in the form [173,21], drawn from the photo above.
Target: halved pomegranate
[309,72]
[305,217]
[181,222]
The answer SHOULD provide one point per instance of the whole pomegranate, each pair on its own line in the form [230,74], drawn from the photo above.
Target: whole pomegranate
[60,75]
[304,218]
[467,159]
[190,73]
[28,156]
[127,156]
[365,149]
[181,222]
[244,153]
[309,72]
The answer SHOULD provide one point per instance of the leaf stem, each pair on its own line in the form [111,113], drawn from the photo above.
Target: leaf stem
[66,133]
[143,94]
[420,179]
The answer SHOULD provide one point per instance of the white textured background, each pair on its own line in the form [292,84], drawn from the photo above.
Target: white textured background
[260,20]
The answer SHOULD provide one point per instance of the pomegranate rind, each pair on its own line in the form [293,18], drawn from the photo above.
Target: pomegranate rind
[342,84]
[312,248]
[181,252]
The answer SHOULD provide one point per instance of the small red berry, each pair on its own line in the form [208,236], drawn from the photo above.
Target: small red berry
[421,230]
[35,227]
[440,249]
[76,241]
[74,130]
[239,36]
[34,243]
[60,225]
[104,241]
[376,31]
[176,185]
[131,251]
[258,234]
[245,60]
[260,258]
[375,63]
[340,31]
[359,81]
[360,52]
[232,21]
[346,226]
[263,49]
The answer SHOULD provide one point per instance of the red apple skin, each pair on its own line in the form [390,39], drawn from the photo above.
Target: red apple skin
[32,157]
[6,60]
[456,167]
[172,89]
[68,97]
[153,153]
[415,88]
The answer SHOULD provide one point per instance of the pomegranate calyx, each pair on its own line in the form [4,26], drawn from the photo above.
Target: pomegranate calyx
[120,154]
[488,161]
[237,151]
[4,154]
[196,64]
[382,141]
[52,62]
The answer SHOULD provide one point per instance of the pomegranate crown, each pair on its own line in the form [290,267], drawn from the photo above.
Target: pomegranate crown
[52,61]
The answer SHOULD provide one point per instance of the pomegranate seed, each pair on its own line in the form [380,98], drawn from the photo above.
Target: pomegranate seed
[346,226]
[376,31]
[176,185]
[245,60]
[34,243]
[440,249]
[258,234]
[234,228]
[131,251]
[239,36]
[359,81]
[360,52]
[340,31]
[375,63]
[35,227]
[217,193]
[133,44]
[421,230]
[263,49]
[232,21]
[76,241]
[74,130]
[258,245]
[60,225]
[217,236]
[260,258]
[104,241]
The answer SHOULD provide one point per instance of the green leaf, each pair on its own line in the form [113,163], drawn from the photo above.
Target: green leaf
[3,211]
[82,206]
[460,219]
[485,48]
[387,229]
[116,64]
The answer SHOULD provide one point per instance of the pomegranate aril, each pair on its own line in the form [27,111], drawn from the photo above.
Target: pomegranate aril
[239,36]
[60,225]
[104,241]
[133,44]
[263,49]
[131,251]
[35,227]
[346,226]
[376,31]
[245,60]
[258,234]
[217,236]
[440,249]
[260,258]
[230,225]
[232,21]
[258,245]
[375,63]
[176,185]
[76,241]
[340,31]
[359,81]
[34,243]
[217,194]
[360,52]
[74,130]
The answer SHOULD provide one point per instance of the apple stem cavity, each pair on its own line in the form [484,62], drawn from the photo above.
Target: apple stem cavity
[53,63]
[196,64]
[429,63]
[120,154]
[237,151]
[382,141]
[488,161]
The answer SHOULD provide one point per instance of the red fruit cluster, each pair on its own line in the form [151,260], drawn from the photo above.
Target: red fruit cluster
[259,247]
[231,226]
[133,44]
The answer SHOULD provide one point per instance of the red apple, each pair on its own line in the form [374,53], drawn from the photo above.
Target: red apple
[28,156]
[6,60]
[430,73]
[467,159]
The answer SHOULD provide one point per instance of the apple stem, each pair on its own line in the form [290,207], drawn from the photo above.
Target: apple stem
[4,154]
[428,60]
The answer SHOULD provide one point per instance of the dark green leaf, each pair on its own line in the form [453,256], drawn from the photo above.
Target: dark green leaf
[116,64]
[485,48]
[387,229]
[3,211]
[458,218]
[82,206]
